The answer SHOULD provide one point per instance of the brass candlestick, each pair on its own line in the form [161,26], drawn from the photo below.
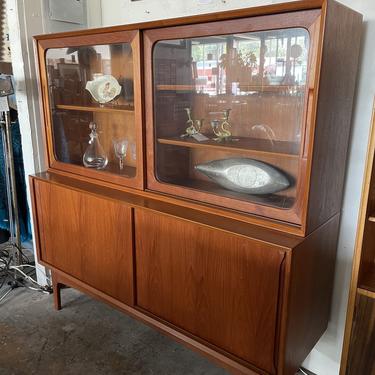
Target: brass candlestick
[194,125]
[222,131]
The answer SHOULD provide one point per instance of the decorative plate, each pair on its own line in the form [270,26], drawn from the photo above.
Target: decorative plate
[103,88]
[245,175]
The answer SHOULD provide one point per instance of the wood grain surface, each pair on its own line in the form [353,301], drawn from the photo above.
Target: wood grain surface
[87,237]
[334,112]
[220,287]
[309,292]
[362,344]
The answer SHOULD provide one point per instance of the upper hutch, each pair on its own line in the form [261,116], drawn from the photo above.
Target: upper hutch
[198,163]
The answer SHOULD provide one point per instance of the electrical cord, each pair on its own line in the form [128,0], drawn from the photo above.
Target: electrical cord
[7,247]
[26,276]
[303,372]
[15,276]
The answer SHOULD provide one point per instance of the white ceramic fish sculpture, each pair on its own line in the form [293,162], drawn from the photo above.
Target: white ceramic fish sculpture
[245,175]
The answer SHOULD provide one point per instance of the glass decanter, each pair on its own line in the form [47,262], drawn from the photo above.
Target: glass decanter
[94,156]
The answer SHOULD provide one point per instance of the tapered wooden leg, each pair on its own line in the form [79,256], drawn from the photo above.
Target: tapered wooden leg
[56,291]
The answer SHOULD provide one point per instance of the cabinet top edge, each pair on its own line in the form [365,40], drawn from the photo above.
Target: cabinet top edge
[292,6]
[284,240]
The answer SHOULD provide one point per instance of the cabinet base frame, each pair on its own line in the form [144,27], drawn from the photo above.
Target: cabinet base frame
[60,279]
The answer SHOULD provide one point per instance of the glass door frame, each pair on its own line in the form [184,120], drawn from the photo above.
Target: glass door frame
[312,21]
[115,37]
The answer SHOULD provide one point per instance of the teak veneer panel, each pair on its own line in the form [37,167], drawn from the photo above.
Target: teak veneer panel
[151,202]
[219,250]
[219,287]
[362,344]
[233,366]
[80,235]
[334,110]
[108,109]
[309,294]
[250,146]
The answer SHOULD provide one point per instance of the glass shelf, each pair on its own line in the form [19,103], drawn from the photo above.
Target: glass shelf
[95,108]
[243,88]
[249,146]
[128,171]
[175,88]
[276,200]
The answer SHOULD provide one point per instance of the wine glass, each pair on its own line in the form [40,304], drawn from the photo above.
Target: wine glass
[121,147]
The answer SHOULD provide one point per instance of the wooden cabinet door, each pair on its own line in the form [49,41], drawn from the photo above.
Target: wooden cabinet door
[87,237]
[220,287]
[67,65]
[179,165]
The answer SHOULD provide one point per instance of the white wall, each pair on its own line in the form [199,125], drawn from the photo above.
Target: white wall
[26,91]
[325,357]
[125,11]
[94,13]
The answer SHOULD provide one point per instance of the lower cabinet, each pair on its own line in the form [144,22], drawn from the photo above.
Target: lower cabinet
[251,301]
[220,287]
[87,237]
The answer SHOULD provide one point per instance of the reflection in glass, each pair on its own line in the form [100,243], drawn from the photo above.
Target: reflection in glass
[91,84]
[133,151]
[250,89]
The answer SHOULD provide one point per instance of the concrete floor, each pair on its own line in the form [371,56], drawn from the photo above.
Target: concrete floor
[85,337]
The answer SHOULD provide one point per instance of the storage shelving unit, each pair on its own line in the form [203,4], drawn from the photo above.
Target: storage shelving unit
[243,276]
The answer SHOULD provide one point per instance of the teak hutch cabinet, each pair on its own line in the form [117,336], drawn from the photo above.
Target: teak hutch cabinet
[196,170]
